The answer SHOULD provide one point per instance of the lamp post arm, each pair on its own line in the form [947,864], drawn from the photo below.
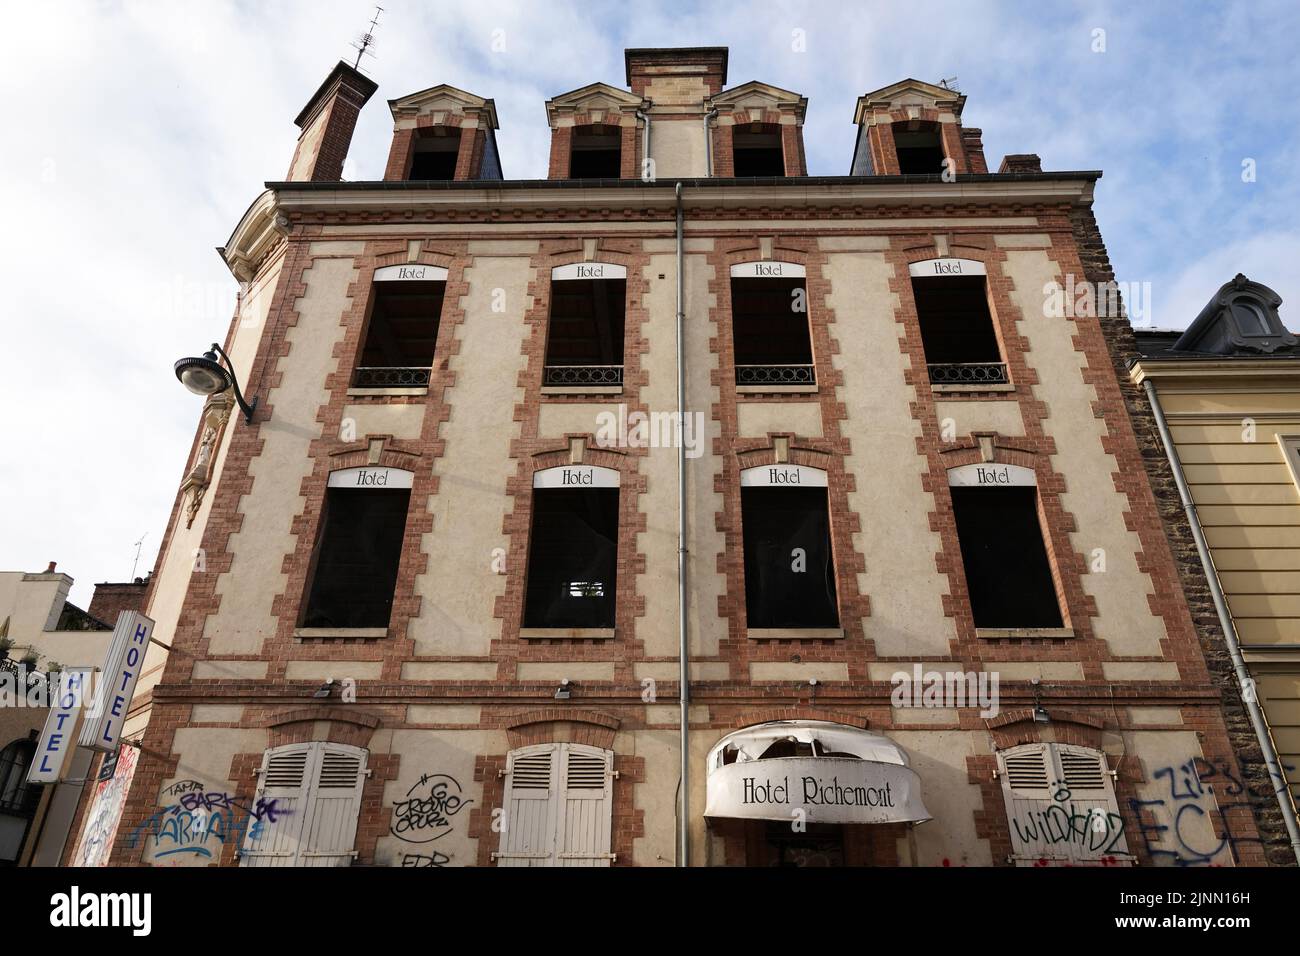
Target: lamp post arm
[244,406]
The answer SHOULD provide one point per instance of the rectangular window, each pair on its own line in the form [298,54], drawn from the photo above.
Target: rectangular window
[957,333]
[597,153]
[769,321]
[572,558]
[789,565]
[1007,570]
[355,568]
[756,151]
[434,154]
[584,341]
[400,335]
[920,150]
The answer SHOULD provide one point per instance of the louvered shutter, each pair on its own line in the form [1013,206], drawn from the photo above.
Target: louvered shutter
[531,805]
[1061,806]
[317,792]
[587,803]
[330,828]
[283,778]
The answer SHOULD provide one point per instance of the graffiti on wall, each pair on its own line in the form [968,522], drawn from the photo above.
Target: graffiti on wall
[1173,826]
[106,811]
[426,814]
[199,823]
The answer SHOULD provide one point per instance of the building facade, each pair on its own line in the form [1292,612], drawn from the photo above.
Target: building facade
[423,605]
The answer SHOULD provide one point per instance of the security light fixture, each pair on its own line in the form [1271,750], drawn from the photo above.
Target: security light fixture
[563,692]
[205,375]
[324,690]
[1040,712]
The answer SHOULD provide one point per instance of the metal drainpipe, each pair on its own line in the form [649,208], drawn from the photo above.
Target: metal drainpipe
[708,143]
[683,645]
[645,138]
[1275,775]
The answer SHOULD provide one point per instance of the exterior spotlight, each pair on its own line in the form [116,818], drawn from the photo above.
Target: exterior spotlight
[563,692]
[324,690]
[205,376]
[1040,712]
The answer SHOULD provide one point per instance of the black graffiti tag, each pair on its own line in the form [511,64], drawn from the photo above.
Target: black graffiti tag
[425,814]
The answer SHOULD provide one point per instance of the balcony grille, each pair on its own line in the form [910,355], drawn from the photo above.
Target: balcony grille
[579,375]
[968,373]
[368,376]
[775,375]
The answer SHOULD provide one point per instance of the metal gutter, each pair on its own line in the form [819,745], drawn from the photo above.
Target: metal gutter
[683,642]
[1244,681]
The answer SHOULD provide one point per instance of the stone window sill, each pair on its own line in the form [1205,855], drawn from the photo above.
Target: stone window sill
[582,389]
[796,633]
[340,633]
[1023,633]
[381,392]
[776,389]
[566,633]
[975,389]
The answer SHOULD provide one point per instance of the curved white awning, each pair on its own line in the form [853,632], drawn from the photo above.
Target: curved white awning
[829,772]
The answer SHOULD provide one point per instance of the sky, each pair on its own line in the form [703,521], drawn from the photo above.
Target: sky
[140,132]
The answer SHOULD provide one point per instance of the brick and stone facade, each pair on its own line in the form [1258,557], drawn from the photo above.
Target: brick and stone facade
[455,685]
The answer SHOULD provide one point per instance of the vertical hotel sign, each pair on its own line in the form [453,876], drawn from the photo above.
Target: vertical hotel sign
[58,737]
[102,728]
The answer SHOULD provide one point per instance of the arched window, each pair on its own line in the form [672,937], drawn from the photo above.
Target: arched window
[558,804]
[18,798]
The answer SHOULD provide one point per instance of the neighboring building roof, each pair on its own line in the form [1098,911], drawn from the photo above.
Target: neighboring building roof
[1217,332]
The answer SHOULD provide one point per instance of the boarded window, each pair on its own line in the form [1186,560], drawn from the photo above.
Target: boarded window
[789,566]
[769,320]
[355,568]
[756,151]
[584,341]
[434,154]
[572,558]
[559,806]
[401,334]
[596,153]
[1007,570]
[920,149]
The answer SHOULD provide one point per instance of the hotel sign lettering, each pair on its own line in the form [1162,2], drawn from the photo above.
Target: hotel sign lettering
[768,270]
[411,273]
[946,267]
[782,476]
[823,789]
[576,476]
[990,475]
[371,477]
[588,270]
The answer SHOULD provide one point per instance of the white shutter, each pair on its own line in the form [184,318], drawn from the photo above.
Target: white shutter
[1061,806]
[528,830]
[317,788]
[283,778]
[331,825]
[587,803]
[558,806]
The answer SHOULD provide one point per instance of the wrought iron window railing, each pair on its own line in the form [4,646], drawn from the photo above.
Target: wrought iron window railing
[968,373]
[775,375]
[567,376]
[370,376]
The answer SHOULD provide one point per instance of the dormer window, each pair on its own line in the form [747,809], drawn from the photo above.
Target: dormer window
[920,148]
[1241,318]
[756,151]
[434,154]
[1251,317]
[597,153]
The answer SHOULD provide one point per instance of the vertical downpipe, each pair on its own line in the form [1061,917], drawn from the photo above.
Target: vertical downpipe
[708,143]
[683,645]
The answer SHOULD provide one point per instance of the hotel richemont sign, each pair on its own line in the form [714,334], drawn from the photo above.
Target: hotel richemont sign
[824,789]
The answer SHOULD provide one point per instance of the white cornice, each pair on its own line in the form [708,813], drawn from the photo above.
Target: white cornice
[258,232]
[1247,371]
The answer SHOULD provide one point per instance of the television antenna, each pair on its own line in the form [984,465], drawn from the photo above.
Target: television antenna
[363,43]
[136,562]
[950,83]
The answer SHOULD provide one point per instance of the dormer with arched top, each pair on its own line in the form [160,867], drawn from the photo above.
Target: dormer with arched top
[758,131]
[594,133]
[914,127]
[443,133]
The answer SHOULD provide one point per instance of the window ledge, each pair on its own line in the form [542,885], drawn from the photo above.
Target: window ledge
[582,389]
[566,633]
[339,633]
[795,633]
[377,391]
[972,388]
[1049,633]
[776,389]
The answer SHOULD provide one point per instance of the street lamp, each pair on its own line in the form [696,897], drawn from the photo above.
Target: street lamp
[206,376]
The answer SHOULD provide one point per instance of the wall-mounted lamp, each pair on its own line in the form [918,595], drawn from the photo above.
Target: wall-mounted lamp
[1040,712]
[205,376]
[563,692]
[324,690]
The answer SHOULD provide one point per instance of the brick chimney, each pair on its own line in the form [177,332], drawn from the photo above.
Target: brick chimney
[1021,163]
[327,123]
[111,598]
[682,76]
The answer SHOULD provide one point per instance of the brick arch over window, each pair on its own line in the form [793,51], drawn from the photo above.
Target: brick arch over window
[344,724]
[562,138]
[764,715]
[884,150]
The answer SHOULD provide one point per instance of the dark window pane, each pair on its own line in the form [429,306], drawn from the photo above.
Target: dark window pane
[434,156]
[956,325]
[356,562]
[776,522]
[919,150]
[572,558]
[757,153]
[587,320]
[1251,318]
[765,325]
[596,153]
[1007,572]
[403,326]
